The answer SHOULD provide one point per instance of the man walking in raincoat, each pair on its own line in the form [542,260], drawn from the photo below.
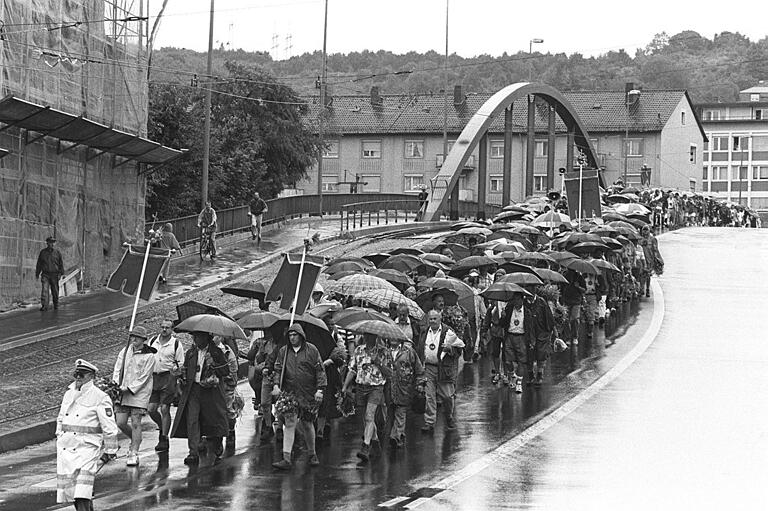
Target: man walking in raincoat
[86,433]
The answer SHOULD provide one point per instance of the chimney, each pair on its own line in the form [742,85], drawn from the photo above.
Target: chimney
[458,96]
[375,97]
[628,87]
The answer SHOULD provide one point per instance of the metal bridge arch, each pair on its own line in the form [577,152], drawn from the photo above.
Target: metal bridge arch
[478,125]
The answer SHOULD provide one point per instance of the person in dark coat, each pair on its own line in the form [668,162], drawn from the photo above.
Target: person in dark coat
[332,365]
[202,407]
[516,323]
[299,370]
[407,371]
[49,269]
[542,326]
[573,296]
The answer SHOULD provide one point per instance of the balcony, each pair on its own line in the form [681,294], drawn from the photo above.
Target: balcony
[469,165]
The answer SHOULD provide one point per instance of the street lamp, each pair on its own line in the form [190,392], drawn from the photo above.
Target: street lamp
[533,41]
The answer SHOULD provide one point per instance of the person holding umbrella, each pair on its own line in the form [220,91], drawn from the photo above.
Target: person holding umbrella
[542,326]
[573,296]
[407,371]
[439,349]
[492,332]
[370,366]
[202,408]
[332,365]
[301,373]
[517,335]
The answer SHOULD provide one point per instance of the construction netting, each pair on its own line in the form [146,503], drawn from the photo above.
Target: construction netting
[84,57]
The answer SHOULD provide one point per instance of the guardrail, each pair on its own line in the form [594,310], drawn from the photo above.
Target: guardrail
[379,212]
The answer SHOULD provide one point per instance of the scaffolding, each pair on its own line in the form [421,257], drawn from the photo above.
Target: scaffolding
[87,58]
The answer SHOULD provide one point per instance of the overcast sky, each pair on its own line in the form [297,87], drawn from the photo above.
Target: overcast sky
[590,27]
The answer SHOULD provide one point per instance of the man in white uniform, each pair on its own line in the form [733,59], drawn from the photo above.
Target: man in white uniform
[86,433]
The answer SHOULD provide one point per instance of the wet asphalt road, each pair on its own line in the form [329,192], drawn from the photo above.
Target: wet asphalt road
[488,416]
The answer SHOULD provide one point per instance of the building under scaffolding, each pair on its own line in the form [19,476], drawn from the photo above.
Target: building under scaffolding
[73,121]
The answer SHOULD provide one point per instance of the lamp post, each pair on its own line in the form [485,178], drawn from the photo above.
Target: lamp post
[533,41]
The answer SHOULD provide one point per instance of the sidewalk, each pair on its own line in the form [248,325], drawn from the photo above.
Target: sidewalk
[187,273]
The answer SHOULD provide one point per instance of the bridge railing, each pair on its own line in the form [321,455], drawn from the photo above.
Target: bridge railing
[383,212]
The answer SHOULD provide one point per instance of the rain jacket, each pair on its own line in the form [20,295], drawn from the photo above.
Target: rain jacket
[407,370]
[85,429]
[137,375]
[301,372]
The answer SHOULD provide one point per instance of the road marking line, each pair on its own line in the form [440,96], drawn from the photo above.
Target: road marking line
[504,451]
[417,502]
[394,502]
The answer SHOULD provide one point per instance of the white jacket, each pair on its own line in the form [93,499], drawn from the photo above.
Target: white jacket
[137,376]
[85,428]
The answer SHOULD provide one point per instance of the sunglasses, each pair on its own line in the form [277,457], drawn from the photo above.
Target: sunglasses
[80,374]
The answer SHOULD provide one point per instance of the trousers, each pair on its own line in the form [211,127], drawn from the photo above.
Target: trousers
[445,390]
[50,284]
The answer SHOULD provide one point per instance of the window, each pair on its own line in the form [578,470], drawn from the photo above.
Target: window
[706,146]
[330,183]
[540,149]
[705,174]
[682,118]
[633,147]
[371,183]
[719,173]
[413,182]
[712,115]
[760,172]
[738,173]
[719,144]
[371,148]
[497,149]
[331,149]
[497,184]
[760,114]
[692,184]
[741,143]
[692,153]
[754,97]
[539,183]
[759,144]
[414,149]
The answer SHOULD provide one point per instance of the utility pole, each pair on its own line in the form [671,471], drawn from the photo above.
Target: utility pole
[207,125]
[321,116]
[453,201]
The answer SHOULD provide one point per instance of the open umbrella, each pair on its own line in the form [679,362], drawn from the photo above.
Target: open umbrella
[638,222]
[213,324]
[246,290]
[342,274]
[550,276]
[459,250]
[503,291]
[630,189]
[526,229]
[406,250]
[510,215]
[361,260]
[632,208]
[482,231]
[612,243]
[192,308]
[319,311]
[511,267]
[464,292]
[345,266]
[402,262]
[617,198]
[470,262]
[580,265]
[613,216]
[466,223]
[258,320]
[438,258]
[377,258]
[315,329]
[515,207]
[382,298]
[523,279]
[345,317]
[602,264]
[534,257]
[395,277]
[377,328]
[425,299]
[604,230]
[551,220]
[589,246]
[353,284]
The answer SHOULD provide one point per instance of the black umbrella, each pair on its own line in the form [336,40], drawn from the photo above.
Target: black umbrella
[315,329]
[406,250]
[193,308]
[353,314]
[259,320]
[246,290]
[377,258]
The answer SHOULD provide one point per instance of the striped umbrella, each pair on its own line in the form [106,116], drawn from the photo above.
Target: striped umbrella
[353,284]
[378,328]
[382,298]
[523,279]
[550,276]
[503,291]
[344,318]
[393,276]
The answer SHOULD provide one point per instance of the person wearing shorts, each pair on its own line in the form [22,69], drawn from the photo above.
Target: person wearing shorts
[133,373]
[169,358]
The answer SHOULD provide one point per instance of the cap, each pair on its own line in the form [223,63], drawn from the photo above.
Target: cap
[84,365]
[139,331]
[50,239]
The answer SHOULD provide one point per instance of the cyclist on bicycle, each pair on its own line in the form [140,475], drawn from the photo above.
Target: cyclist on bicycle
[206,221]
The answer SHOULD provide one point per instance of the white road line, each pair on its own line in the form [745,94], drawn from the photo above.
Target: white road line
[505,450]
[393,502]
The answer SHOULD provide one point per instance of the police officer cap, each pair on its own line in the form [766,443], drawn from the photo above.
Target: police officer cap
[84,365]
[139,331]
[50,239]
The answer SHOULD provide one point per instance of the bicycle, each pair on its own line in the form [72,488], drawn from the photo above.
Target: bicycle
[206,244]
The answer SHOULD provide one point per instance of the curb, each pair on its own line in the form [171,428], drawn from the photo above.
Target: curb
[44,431]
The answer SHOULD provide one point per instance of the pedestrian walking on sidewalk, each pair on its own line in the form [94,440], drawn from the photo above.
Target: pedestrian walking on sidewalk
[169,358]
[134,373]
[370,366]
[168,241]
[86,434]
[202,408]
[49,269]
[407,373]
[299,372]
[439,350]
[257,208]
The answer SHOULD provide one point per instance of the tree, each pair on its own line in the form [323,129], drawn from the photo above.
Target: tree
[258,141]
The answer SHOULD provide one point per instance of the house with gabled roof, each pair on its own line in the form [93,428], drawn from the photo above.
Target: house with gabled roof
[393,143]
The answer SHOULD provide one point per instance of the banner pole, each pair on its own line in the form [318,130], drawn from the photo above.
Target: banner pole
[581,175]
[298,283]
[141,283]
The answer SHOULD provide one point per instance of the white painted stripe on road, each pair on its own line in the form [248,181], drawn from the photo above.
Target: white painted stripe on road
[417,502]
[504,451]
[393,502]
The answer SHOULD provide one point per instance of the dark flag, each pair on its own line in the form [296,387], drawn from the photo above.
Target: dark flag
[284,285]
[590,194]
[126,277]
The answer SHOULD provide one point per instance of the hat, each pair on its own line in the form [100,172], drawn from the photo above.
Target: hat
[318,288]
[50,239]
[84,365]
[298,329]
[139,331]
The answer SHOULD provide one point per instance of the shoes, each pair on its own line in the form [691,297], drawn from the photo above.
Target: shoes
[475,356]
[519,386]
[191,460]
[55,306]
[266,433]
[132,460]
[253,236]
[504,379]
[647,294]
[394,443]
[255,405]
[282,465]
[314,461]
[43,308]
[451,424]
[365,451]
[575,341]
[496,379]
[213,256]
[539,379]
[530,379]
[162,444]
[428,429]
